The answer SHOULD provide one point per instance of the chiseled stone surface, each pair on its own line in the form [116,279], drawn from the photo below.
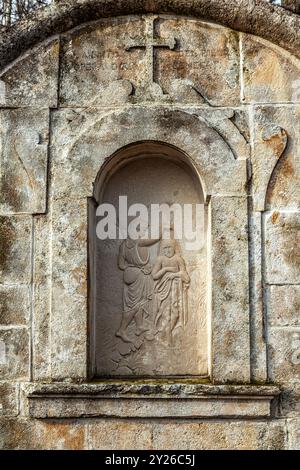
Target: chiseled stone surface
[284,356]
[284,306]
[220,435]
[230,301]
[14,354]
[9,393]
[120,434]
[260,18]
[24,154]
[276,148]
[69,289]
[14,305]
[42,298]
[24,83]
[283,247]
[22,434]
[78,159]
[271,74]
[293,429]
[15,249]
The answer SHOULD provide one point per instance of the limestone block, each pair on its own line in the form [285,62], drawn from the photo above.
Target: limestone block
[14,305]
[14,354]
[257,324]
[271,74]
[8,399]
[284,306]
[293,429]
[222,435]
[276,157]
[290,400]
[42,298]
[32,80]
[204,66]
[230,292]
[120,435]
[23,153]
[284,355]
[150,58]
[282,247]
[69,288]
[22,434]
[77,161]
[15,249]
[96,67]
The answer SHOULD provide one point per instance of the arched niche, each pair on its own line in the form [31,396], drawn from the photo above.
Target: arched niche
[148,300]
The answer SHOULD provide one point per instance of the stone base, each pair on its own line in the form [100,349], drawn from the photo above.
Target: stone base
[151,400]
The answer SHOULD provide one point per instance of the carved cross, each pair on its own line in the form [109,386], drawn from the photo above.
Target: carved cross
[150,43]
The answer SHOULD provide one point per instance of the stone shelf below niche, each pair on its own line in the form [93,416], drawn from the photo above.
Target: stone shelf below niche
[129,399]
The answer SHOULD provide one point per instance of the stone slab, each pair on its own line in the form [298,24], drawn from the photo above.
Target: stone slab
[284,355]
[271,74]
[9,399]
[282,249]
[32,81]
[14,305]
[220,435]
[150,400]
[284,306]
[24,434]
[24,135]
[276,157]
[14,354]
[230,291]
[15,249]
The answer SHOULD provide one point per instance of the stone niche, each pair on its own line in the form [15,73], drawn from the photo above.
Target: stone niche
[148,297]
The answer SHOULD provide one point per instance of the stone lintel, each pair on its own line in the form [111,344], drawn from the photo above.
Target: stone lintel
[151,400]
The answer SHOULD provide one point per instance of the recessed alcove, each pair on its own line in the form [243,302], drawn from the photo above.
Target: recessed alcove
[148,297]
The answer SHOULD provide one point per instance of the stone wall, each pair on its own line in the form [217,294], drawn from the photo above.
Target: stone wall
[68,104]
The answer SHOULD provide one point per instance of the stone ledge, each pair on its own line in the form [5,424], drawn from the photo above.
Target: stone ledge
[151,400]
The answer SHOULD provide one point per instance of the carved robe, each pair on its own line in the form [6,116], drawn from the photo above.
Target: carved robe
[171,296]
[138,284]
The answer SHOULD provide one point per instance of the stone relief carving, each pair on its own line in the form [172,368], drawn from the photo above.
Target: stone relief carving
[155,296]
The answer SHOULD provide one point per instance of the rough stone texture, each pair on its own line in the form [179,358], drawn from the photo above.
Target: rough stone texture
[15,250]
[23,153]
[284,306]
[258,366]
[115,74]
[283,248]
[42,299]
[292,5]
[22,434]
[69,289]
[277,81]
[14,354]
[24,83]
[218,435]
[277,130]
[9,403]
[121,435]
[293,429]
[14,305]
[284,353]
[250,16]
[230,302]
[145,399]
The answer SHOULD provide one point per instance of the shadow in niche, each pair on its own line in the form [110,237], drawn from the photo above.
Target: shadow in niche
[148,297]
